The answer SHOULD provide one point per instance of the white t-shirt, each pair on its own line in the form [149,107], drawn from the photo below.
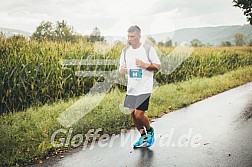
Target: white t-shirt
[140,81]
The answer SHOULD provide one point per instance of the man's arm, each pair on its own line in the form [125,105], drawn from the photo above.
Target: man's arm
[147,66]
[122,70]
[153,67]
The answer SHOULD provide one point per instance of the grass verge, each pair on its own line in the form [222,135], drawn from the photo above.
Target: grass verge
[25,136]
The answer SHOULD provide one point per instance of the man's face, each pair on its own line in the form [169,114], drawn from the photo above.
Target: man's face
[133,38]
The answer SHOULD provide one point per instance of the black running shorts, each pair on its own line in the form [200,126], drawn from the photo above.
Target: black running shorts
[139,102]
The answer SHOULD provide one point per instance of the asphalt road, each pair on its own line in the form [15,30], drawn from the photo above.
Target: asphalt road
[214,132]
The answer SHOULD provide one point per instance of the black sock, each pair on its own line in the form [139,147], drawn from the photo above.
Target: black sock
[150,130]
[142,132]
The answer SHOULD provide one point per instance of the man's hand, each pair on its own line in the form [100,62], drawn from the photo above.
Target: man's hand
[122,70]
[141,64]
[150,67]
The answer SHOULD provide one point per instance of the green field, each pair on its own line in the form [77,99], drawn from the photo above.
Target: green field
[35,89]
[32,73]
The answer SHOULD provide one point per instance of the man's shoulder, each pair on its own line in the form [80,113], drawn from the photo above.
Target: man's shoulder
[126,48]
[147,45]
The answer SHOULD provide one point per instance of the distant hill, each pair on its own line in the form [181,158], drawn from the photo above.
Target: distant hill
[207,35]
[10,32]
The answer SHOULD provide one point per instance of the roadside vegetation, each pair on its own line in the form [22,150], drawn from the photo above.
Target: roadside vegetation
[35,88]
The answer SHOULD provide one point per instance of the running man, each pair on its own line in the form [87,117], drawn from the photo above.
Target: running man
[139,61]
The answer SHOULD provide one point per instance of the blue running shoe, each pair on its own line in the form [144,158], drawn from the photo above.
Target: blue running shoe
[141,142]
[150,138]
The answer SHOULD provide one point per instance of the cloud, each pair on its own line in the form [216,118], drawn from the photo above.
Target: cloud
[198,13]
[84,15]
[192,7]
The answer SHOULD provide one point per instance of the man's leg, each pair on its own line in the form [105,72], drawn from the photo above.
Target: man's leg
[142,103]
[141,119]
[137,123]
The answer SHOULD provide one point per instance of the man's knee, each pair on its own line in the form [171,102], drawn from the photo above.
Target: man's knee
[138,114]
[132,113]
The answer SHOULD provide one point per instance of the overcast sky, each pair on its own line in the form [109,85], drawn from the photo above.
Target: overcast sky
[113,17]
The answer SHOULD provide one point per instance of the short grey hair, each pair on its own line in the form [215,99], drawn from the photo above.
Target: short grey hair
[134,28]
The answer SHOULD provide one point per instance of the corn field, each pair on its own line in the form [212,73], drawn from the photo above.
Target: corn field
[32,73]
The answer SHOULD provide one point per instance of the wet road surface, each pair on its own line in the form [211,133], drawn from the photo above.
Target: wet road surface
[214,132]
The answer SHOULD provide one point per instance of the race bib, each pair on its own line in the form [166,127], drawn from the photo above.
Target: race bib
[136,73]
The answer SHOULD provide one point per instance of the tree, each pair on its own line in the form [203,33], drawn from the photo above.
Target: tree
[246,6]
[43,32]
[2,36]
[226,43]
[79,37]
[168,42]
[196,43]
[60,32]
[161,43]
[63,32]
[150,40]
[96,36]
[250,42]
[239,39]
